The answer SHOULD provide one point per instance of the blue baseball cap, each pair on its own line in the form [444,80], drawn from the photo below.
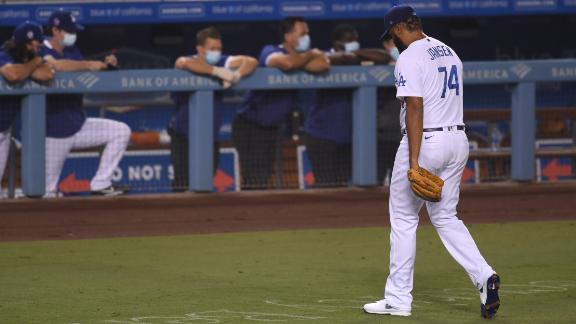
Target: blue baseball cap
[395,15]
[64,20]
[27,32]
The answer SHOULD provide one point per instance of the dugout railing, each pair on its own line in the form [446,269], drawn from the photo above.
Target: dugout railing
[522,75]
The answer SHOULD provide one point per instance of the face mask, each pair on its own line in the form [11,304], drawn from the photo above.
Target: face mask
[303,43]
[395,53]
[212,57]
[351,46]
[68,40]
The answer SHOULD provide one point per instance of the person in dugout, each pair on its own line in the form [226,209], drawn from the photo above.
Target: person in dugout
[258,123]
[19,61]
[208,61]
[67,126]
[328,125]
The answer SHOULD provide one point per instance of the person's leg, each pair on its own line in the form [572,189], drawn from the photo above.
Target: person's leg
[114,135]
[179,159]
[4,150]
[256,146]
[241,136]
[452,231]
[57,150]
[264,149]
[323,159]
[344,165]
[403,207]
[216,157]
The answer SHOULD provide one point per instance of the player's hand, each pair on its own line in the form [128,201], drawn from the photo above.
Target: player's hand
[50,60]
[316,52]
[223,73]
[237,77]
[111,60]
[339,46]
[226,84]
[425,184]
[37,60]
[96,65]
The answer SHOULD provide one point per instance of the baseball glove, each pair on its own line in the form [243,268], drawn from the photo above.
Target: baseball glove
[425,184]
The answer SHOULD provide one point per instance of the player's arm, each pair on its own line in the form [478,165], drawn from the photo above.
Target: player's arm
[73,65]
[289,62]
[194,64]
[375,55]
[318,64]
[43,73]
[414,126]
[19,72]
[199,66]
[244,65]
[342,58]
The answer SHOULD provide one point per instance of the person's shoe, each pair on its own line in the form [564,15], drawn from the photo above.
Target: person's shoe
[490,302]
[382,308]
[111,191]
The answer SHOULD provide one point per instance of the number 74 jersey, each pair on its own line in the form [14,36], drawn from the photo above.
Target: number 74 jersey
[431,70]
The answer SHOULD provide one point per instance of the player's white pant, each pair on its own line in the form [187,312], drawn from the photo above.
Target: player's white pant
[95,132]
[445,154]
[4,149]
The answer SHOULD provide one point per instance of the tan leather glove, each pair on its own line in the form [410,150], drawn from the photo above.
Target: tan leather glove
[425,184]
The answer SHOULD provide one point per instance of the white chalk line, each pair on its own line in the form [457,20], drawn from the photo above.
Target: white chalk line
[217,316]
[452,296]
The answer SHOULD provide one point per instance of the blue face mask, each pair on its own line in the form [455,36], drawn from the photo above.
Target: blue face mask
[212,57]
[351,46]
[303,44]
[394,53]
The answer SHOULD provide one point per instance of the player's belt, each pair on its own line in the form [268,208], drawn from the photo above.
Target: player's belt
[440,129]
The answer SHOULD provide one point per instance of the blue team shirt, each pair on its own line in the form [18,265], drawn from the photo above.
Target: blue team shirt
[331,116]
[270,107]
[9,105]
[64,113]
[179,121]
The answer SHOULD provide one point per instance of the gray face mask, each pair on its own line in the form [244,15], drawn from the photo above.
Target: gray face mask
[303,44]
[394,53]
[68,40]
[351,47]
[212,57]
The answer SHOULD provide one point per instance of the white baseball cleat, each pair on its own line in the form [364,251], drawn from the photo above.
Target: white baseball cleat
[382,308]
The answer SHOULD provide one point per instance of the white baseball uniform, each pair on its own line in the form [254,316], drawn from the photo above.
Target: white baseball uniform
[431,70]
[94,132]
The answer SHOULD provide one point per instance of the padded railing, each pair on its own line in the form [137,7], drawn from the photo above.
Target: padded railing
[365,80]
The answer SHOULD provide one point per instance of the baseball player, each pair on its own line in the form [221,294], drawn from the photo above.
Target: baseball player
[67,127]
[257,125]
[207,61]
[328,124]
[429,164]
[19,61]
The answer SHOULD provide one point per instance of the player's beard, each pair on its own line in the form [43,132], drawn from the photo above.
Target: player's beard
[398,44]
[20,53]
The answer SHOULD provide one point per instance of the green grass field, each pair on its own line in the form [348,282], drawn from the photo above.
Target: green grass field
[293,277]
